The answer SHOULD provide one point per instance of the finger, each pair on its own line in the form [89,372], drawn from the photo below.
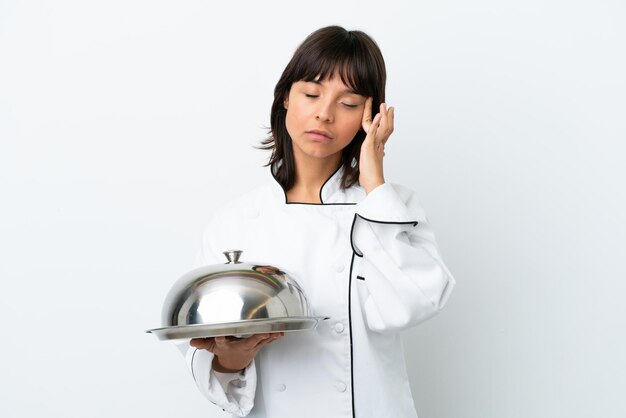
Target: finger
[374,125]
[203,343]
[255,340]
[370,138]
[390,124]
[267,341]
[367,114]
[272,337]
[220,341]
[383,119]
[231,338]
[195,342]
[277,336]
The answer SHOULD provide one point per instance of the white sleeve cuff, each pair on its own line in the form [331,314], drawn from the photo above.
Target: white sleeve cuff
[233,392]
[384,205]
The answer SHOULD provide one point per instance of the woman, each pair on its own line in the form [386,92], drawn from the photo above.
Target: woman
[361,248]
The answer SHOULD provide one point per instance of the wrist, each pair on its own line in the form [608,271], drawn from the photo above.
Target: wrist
[219,368]
[368,187]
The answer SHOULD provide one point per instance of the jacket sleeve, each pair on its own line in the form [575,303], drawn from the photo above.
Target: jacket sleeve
[233,392]
[403,278]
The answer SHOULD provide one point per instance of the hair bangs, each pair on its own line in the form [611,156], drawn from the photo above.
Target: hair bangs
[355,68]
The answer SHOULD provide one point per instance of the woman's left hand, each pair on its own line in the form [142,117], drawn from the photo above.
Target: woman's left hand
[373,147]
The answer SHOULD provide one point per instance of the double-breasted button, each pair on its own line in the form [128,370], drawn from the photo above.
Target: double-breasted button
[339,268]
[339,327]
[340,386]
[253,213]
[280,387]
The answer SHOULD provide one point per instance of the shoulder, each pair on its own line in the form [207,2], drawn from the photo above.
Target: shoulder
[245,204]
[233,220]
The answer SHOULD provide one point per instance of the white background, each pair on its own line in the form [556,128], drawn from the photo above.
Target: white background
[124,123]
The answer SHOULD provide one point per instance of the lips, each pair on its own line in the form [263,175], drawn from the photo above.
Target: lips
[319,135]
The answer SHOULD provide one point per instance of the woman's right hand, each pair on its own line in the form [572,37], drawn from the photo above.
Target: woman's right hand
[234,354]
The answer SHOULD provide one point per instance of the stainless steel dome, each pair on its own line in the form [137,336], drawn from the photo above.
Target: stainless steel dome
[234,299]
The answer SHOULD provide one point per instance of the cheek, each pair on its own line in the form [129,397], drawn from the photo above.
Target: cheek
[350,128]
[290,122]
[296,114]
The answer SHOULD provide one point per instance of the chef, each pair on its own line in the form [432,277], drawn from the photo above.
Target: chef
[361,248]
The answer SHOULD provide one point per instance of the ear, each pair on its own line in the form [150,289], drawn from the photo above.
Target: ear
[286,103]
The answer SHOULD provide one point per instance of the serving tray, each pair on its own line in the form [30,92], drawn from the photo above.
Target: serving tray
[240,329]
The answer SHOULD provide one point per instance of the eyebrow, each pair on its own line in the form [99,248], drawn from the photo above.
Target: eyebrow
[348,90]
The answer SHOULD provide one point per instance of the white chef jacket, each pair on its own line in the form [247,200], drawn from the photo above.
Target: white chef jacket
[368,262]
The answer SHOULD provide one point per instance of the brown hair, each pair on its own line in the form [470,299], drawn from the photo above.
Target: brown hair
[357,59]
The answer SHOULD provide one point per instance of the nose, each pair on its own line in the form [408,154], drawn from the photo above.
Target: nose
[324,112]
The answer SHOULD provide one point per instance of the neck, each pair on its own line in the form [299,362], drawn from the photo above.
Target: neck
[310,177]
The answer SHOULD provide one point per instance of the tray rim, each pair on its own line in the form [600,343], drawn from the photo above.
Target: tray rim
[163,331]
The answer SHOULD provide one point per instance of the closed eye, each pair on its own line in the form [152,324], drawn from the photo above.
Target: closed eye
[351,106]
[312,96]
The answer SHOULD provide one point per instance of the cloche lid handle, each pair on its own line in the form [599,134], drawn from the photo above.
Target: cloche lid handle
[233,256]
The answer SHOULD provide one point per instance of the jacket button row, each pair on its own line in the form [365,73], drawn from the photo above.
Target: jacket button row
[339,327]
[281,387]
[339,268]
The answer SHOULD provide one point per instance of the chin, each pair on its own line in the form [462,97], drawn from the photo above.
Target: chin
[320,154]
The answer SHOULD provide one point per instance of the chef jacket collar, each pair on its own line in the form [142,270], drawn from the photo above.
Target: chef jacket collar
[330,193]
